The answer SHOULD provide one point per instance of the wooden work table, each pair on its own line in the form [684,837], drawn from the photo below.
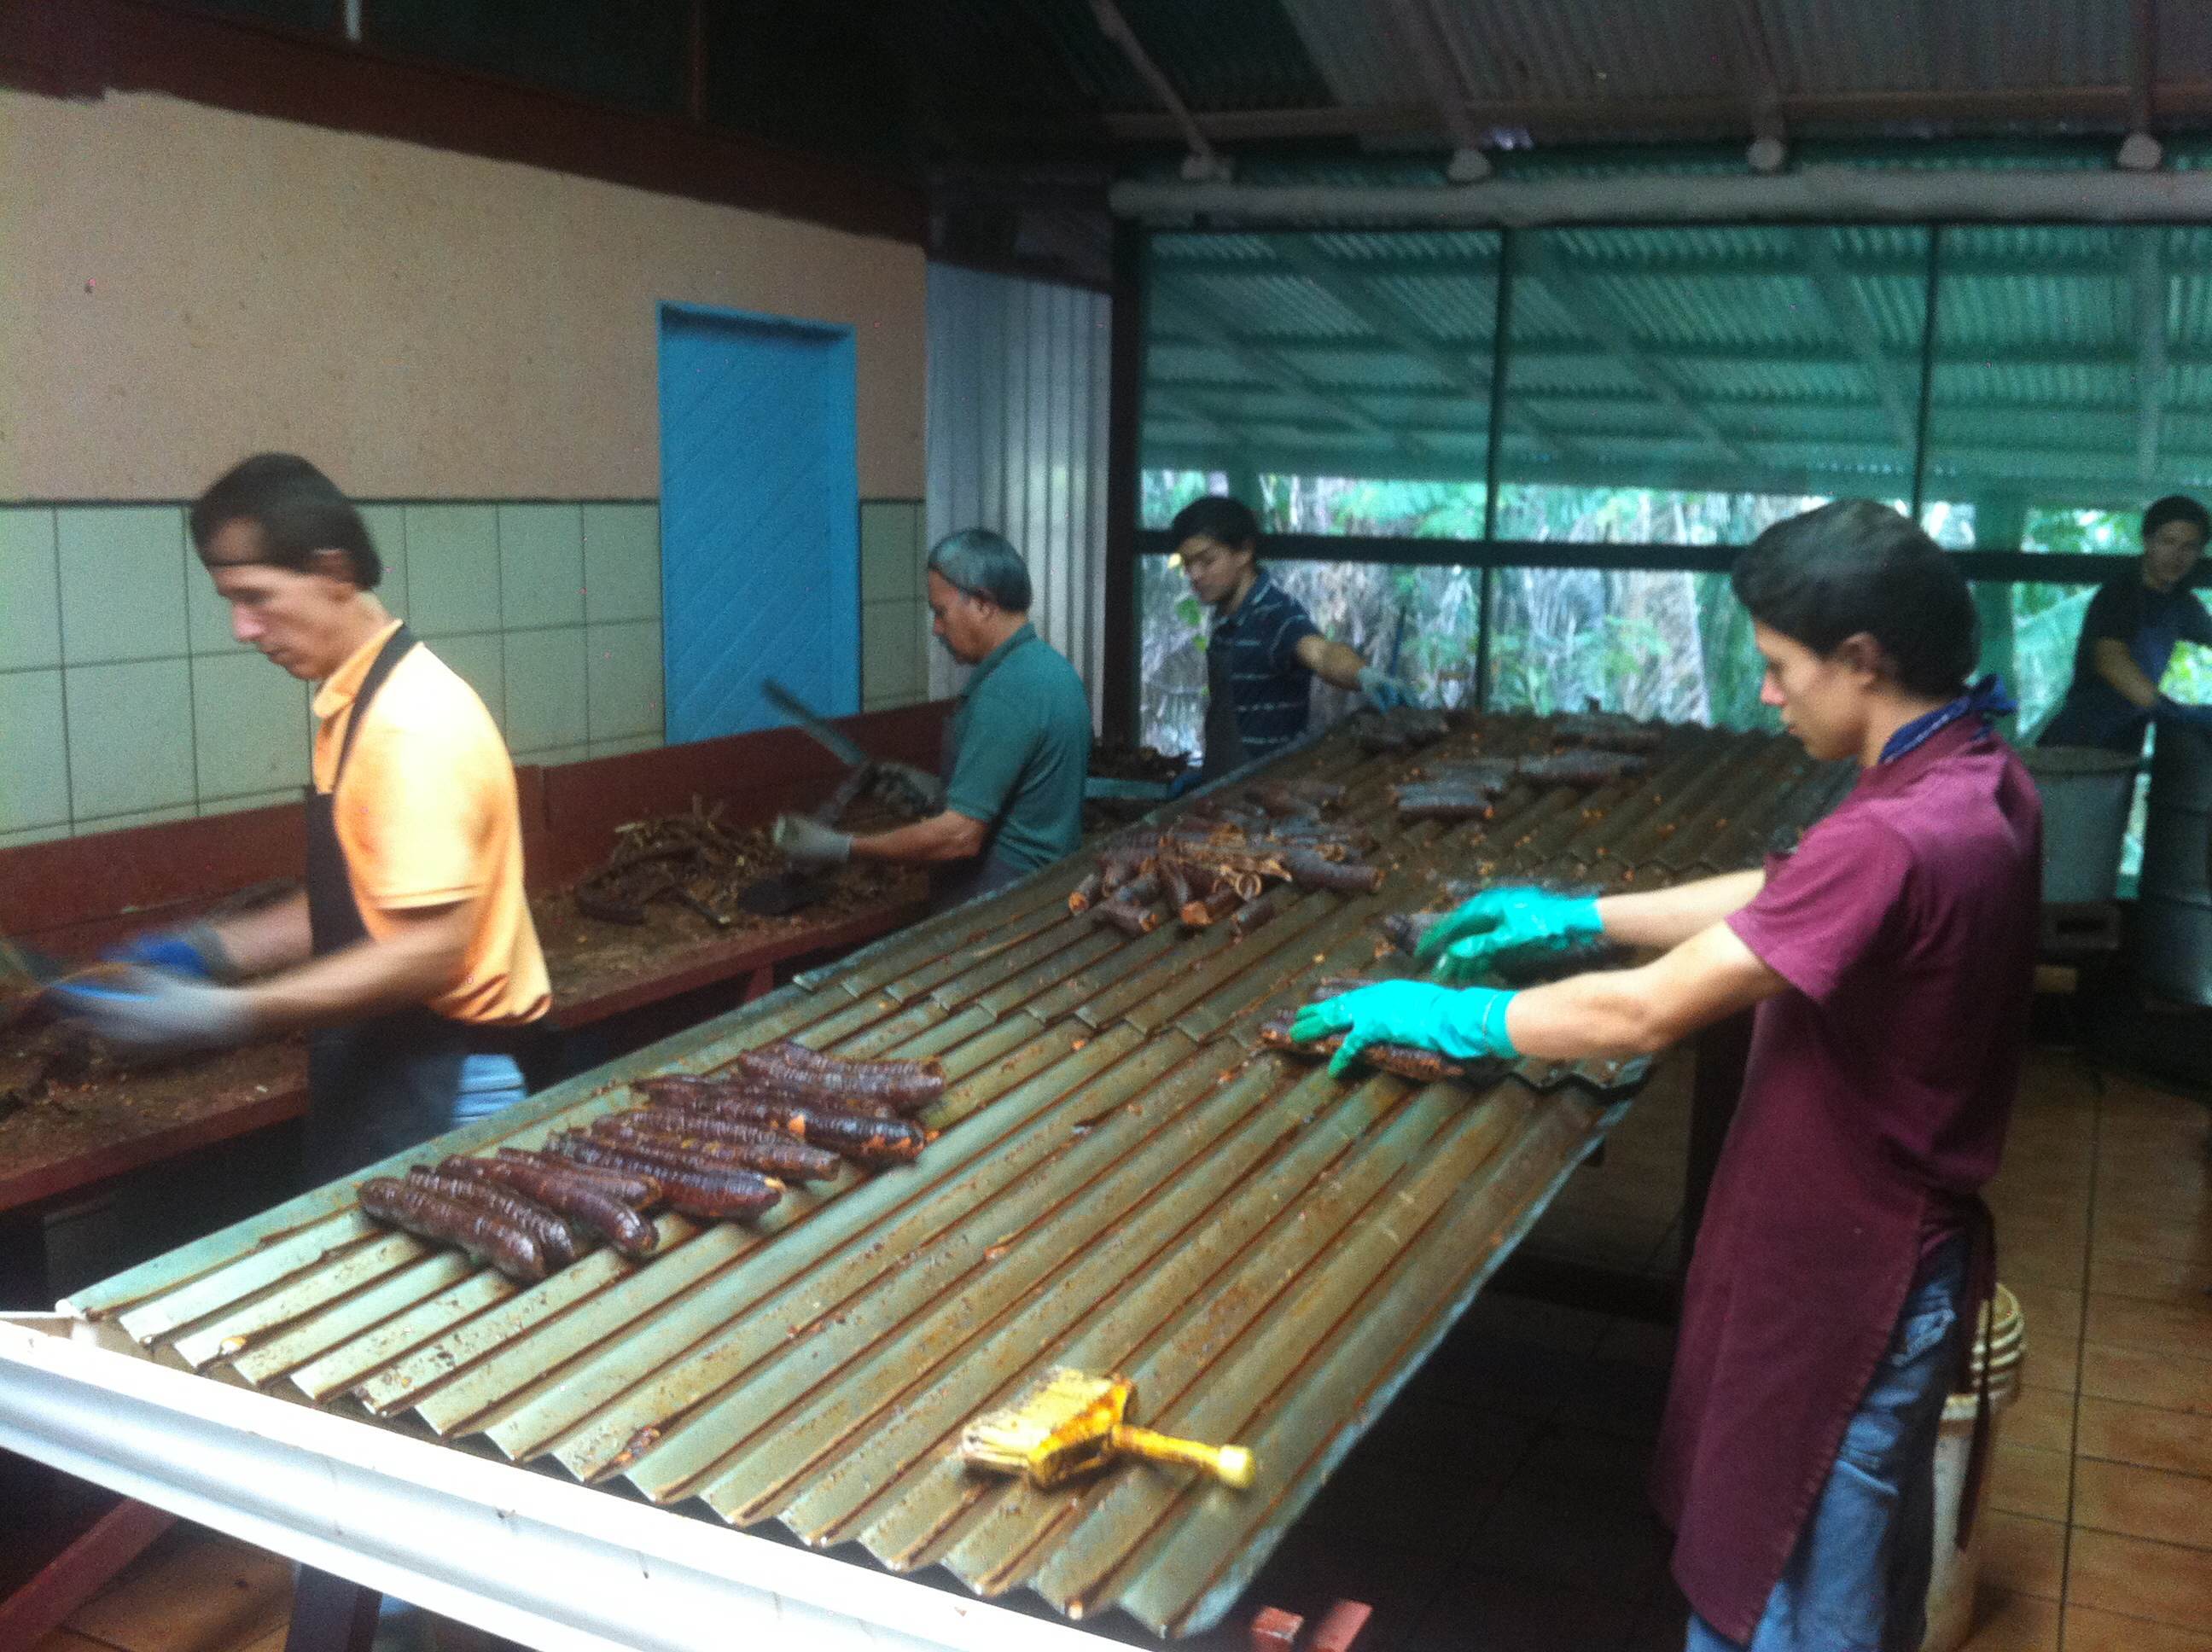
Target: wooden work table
[72,896]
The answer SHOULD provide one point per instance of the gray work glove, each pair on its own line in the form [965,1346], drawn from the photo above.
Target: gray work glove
[1383,693]
[904,786]
[807,842]
[155,1012]
[194,950]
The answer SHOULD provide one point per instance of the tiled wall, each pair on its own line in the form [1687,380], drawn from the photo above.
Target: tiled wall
[895,639]
[123,699]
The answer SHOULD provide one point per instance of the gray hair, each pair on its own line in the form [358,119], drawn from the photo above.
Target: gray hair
[983,564]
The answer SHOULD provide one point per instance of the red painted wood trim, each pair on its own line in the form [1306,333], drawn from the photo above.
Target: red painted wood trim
[81,1572]
[57,1177]
[74,896]
[83,48]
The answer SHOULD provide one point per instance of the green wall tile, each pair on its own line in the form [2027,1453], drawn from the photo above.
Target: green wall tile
[623,748]
[30,591]
[122,582]
[387,532]
[31,834]
[623,671]
[129,738]
[250,725]
[890,671]
[207,614]
[481,661]
[452,568]
[545,689]
[890,565]
[621,562]
[33,751]
[541,565]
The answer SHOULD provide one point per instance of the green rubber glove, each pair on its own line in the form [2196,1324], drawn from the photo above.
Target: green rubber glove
[1516,918]
[1466,1024]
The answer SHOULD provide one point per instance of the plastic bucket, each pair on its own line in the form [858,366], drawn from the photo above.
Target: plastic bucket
[2174,910]
[2086,793]
[1951,1585]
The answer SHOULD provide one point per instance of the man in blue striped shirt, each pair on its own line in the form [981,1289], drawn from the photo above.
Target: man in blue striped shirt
[1264,649]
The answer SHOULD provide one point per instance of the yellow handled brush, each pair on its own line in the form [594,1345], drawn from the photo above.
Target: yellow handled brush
[1072,1422]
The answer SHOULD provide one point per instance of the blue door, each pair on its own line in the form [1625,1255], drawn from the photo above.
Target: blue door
[760,553]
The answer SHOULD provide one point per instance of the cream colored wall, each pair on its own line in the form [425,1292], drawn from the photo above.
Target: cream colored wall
[181,286]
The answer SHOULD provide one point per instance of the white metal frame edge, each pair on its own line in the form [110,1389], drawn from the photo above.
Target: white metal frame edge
[555,1565]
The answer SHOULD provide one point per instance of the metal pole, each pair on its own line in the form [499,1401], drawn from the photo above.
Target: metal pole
[1493,439]
[1124,373]
[1814,194]
[1927,371]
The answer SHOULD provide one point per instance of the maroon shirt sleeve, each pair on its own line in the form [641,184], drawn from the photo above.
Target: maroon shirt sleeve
[1829,906]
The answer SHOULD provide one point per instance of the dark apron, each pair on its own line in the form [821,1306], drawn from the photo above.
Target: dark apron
[957,882]
[380,1086]
[1224,746]
[1788,1306]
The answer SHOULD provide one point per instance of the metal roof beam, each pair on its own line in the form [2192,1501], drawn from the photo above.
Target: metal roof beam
[1593,314]
[1770,130]
[1203,160]
[1550,120]
[1417,38]
[2148,273]
[1824,194]
[1898,395]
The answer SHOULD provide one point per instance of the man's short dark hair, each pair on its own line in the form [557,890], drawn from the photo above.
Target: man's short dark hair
[2176,507]
[299,510]
[1856,565]
[983,564]
[1224,520]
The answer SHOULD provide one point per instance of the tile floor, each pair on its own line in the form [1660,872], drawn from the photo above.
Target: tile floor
[1499,1504]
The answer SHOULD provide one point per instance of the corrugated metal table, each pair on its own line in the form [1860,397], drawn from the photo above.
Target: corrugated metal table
[1126,1180]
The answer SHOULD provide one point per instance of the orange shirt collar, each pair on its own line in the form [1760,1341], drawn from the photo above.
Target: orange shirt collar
[340,687]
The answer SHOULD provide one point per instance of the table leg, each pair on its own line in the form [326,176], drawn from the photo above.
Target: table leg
[330,1613]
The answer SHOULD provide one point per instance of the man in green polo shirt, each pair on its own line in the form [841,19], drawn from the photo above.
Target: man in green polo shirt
[1017,749]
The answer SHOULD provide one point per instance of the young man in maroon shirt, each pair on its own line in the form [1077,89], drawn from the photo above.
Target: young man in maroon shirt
[1845,1246]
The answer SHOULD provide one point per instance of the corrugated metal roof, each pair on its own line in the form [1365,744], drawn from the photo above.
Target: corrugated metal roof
[1820,46]
[1770,335]
[1126,1180]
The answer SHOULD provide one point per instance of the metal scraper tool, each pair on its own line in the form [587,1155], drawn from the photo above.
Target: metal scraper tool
[1072,1422]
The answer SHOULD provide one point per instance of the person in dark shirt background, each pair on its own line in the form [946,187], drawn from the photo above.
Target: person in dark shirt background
[2129,635]
[1264,649]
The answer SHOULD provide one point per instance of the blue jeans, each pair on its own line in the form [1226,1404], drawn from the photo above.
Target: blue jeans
[1858,1581]
[489,1082]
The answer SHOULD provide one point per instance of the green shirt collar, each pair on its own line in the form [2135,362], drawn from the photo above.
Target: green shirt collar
[989,663]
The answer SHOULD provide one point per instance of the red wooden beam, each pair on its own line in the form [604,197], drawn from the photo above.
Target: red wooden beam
[80,1571]
[84,48]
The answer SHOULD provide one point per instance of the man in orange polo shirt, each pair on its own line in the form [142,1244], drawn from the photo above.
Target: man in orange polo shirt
[409,957]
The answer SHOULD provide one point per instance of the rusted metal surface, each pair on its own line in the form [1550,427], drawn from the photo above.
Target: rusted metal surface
[1125,1181]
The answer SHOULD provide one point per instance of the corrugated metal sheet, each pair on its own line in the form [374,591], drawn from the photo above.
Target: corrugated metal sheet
[1126,1180]
[1802,346]
[1017,372]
